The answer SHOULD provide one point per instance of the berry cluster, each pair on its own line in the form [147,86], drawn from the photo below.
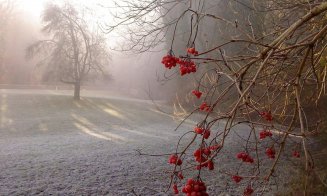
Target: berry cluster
[205,107]
[173,159]
[267,116]
[264,134]
[195,188]
[237,178]
[270,152]
[296,154]
[202,131]
[192,51]
[169,61]
[186,67]
[201,156]
[245,157]
[197,93]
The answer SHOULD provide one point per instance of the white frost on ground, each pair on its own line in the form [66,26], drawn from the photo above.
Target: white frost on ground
[52,145]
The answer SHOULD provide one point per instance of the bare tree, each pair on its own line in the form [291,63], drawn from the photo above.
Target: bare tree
[73,51]
[277,71]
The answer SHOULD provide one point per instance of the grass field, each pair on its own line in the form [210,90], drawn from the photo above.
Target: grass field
[52,145]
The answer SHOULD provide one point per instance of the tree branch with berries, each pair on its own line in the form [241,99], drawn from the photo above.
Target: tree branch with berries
[262,74]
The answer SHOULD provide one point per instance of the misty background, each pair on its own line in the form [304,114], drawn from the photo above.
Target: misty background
[130,73]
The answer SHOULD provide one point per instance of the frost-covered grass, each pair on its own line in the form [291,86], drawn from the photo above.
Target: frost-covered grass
[52,145]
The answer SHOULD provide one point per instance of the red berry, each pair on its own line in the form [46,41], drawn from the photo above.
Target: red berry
[180,176]
[237,179]
[296,154]
[248,191]
[198,130]
[270,152]
[179,162]
[206,134]
[197,93]
[188,188]
[207,151]
[210,165]
[190,181]
[192,51]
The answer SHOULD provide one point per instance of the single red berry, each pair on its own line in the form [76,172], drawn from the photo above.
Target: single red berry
[180,175]
[197,93]
[296,154]
[248,191]
[237,179]
[198,130]
[173,159]
[210,165]
[206,134]
[191,50]
[179,162]
[197,153]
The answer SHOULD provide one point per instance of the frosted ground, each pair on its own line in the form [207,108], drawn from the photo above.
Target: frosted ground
[52,145]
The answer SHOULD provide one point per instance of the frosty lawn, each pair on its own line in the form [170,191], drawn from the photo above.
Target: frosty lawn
[50,144]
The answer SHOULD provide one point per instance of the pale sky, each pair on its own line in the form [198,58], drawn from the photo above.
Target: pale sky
[35,7]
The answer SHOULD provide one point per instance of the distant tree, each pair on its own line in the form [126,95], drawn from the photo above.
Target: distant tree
[73,51]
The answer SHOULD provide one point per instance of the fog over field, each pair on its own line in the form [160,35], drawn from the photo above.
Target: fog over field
[163,97]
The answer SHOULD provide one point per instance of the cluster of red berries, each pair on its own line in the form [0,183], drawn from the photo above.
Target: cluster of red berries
[197,93]
[201,156]
[186,67]
[267,116]
[192,51]
[202,131]
[245,157]
[237,178]
[264,134]
[205,107]
[195,188]
[248,191]
[270,152]
[173,159]
[169,61]
[296,154]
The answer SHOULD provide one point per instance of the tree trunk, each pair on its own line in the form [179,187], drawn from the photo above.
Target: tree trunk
[77,90]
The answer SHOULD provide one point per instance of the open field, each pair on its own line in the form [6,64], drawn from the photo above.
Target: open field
[52,145]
